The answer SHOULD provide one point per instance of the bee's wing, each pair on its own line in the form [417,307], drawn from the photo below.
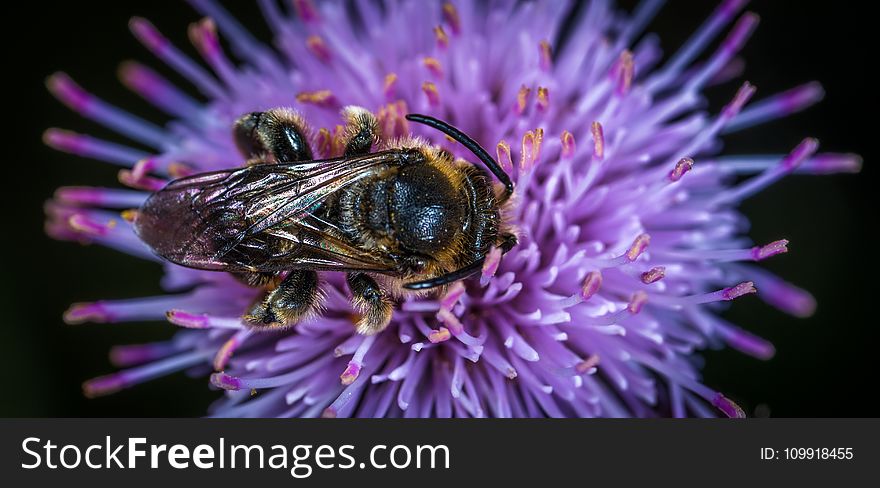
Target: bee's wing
[257,218]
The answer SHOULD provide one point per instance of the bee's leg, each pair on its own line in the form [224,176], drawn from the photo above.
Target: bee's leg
[361,130]
[372,303]
[276,136]
[294,298]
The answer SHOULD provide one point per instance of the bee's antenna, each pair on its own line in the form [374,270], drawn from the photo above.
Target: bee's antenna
[469,143]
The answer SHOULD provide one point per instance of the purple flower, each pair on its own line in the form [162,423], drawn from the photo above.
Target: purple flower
[630,241]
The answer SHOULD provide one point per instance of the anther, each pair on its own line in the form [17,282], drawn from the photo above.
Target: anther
[639,299]
[502,151]
[186,319]
[531,148]
[430,91]
[450,16]
[653,275]
[129,215]
[433,65]
[320,98]
[543,101]
[351,373]
[638,247]
[203,35]
[442,38]
[681,168]
[592,283]
[739,290]
[776,247]
[319,48]
[522,100]
[389,86]
[545,55]
[743,95]
[439,335]
[86,312]
[598,141]
[625,70]
[568,144]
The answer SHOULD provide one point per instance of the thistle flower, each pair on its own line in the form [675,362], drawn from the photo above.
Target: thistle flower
[630,241]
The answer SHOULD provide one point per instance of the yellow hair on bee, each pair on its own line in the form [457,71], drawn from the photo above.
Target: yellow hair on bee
[358,119]
[291,116]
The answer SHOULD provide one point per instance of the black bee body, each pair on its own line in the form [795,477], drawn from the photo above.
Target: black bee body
[417,214]
[409,215]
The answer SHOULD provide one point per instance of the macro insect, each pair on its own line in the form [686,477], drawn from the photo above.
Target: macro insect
[407,218]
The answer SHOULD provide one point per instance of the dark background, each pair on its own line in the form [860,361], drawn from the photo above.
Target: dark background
[823,367]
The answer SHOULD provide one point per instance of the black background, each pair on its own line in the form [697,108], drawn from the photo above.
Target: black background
[824,364]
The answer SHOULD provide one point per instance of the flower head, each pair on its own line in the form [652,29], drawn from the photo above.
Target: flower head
[630,241]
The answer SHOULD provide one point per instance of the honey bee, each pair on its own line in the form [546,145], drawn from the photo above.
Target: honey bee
[407,218]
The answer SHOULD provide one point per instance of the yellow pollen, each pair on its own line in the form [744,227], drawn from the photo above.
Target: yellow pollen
[681,167]
[522,99]
[128,215]
[539,139]
[179,170]
[433,65]
[568,144]
[440,335]
[389,86]
[442,38]
[638,301]
[318,47]
[223,354]
[531,148]
[431,92]
[321,98]
[450,15]
[638,247]
[625,75]
[502,151]
[653,275]
[392,121]
[592,283]
[598,140]
[546,55]
[543,98]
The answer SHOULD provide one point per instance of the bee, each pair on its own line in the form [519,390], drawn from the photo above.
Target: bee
[407,218]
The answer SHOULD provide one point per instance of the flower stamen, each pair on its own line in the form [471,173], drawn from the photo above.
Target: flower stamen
[431,93]
[598,141]
[320,98]
[569,146]
[318,48]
